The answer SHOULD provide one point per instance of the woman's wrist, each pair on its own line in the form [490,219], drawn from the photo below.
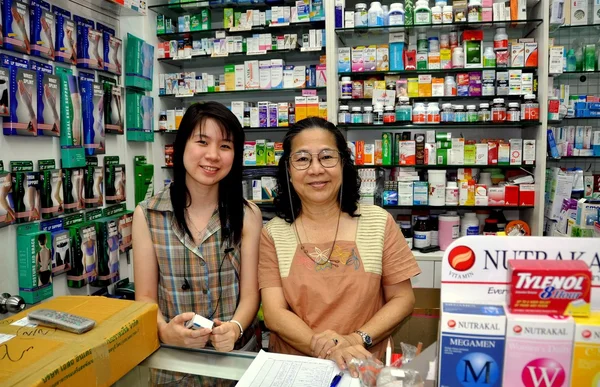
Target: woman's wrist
[238,326]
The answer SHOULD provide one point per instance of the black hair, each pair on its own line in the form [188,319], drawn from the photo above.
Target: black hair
[42,239]
[350,179]
[231,199]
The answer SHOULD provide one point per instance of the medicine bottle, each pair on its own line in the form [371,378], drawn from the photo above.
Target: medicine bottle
[449,86]
[474,11]
[436,14]
[530,109]
[378,114]
[356,117]
[458,58]
[408,234]
[396,15]
[389,115]
[514,112]
[491,227]
[368,115]
[433,113]
[498,110]
[422,13]
[422,233]
[472,115]
[419,114]
[346,88]
[447,14]
[375,15]
[459,113]
[500,39]
[403,110]
[344,115]
[489,57]
[361,18]
[485,115]
[447,114]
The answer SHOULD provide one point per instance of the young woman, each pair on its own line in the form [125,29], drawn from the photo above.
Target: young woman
[195,244]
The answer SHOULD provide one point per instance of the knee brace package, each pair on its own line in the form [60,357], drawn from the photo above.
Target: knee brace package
[113,108]
[15,23]
[71,136]
[113,56]
[48,99]
[22,83]
[66,37]
[51,189]
[43,29]
[92,104]
[90,45]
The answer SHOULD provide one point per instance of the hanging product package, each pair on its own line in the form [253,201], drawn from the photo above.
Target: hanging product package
[113,108]
[92,95]
[48,99]
[7,206]
[23,97]
[66,37]
[108,251]
[85,255]
[140,117]
[139,66]
[51,189]
[26,191]
[43,29]
[114,185]
[71,136]
[61,245]
[113,56]
[73,190]
[90,45]
[15,23]
[4,92]
[35,263]
[93,183]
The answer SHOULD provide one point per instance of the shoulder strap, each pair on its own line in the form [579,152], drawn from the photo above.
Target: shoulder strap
[370,236]
[285,243]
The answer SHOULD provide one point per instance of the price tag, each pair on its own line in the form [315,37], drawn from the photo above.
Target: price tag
[384,97]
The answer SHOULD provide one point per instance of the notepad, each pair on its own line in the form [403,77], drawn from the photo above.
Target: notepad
[274,369]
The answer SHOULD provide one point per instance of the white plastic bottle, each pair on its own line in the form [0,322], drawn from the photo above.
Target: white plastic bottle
[489,57]
[469,224]
[386,15]
[501,39]
[396,15]
[375,16]
[422,13]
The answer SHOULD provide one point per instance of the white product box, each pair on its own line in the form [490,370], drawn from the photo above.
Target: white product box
[408,152]
[516,151]
[237,108]
[481,154]
[199,322]
[579,12]
[430,136]
[264,74]
[250,152]
[457,153]
[587,137]
[254,117]
[252,74]
[560,186]
[430,153]
[405,193]
[276,73]
[481,196]
[288,76]
[556,60]
[240,77]
[256,190]
[344,59]
[579,135]
[517,54]
[369,154]
[349,19]
[171,119]
[299,77]
[527,83]
[528,152]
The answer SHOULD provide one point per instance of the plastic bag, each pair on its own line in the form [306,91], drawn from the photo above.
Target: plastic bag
[399,377]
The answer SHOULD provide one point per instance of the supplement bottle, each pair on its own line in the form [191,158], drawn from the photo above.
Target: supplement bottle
[469,224]
[375,15]
[422,233]
[396,15]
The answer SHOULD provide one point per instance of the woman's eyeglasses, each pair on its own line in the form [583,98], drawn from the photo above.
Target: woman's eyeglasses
[327,158]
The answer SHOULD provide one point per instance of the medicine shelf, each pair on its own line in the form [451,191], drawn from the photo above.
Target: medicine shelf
[575,73]
[566,27]
[229,92]
[427,166]
[258,129]
[572,119]
[361,32]
[428,207]
[449,125]
[284,28]
[288,55]
[174,10]
[550,158]
[364,74]
[245,167]
[483,98]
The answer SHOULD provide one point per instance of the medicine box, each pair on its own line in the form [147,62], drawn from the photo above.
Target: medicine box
[586,362]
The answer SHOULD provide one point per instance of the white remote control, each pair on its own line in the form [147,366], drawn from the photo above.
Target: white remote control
[61,320]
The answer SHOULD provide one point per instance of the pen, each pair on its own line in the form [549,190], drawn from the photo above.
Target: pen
[336,379]
[388,353]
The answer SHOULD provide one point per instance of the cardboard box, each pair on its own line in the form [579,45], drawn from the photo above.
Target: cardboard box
[422,324]
[586,361]
[124,335]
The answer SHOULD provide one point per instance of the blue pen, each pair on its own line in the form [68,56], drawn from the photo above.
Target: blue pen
[336,379]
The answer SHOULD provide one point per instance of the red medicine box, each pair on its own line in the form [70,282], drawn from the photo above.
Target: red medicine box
[526,194]
[549,287]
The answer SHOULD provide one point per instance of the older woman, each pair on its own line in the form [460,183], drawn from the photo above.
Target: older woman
[334,275]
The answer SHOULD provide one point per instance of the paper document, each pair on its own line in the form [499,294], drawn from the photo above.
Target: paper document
[277,370]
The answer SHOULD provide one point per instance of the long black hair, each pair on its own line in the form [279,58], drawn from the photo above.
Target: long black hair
[231,199]
[350,178]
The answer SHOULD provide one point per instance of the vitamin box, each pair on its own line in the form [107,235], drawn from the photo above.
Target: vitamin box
[549,287]
[585,370]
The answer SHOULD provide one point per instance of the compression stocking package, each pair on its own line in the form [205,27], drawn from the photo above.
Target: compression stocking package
[90,45]
[92,103]
[139,63]
[48,99]
[73,190]
[140,117]
[66,37]
[26,191]
[22,118]
[108,251]
[71,136]
[4,92]
[35,263]
[93,183]
[114,175]
[84,257]
[112,49]
[43,29]
[113,108]
[61,245]
[51,189]
[15,24]
[7,206]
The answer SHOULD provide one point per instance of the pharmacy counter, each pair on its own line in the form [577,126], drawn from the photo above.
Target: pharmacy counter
[224,365]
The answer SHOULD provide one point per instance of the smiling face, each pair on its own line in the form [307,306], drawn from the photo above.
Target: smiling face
[315,185]
[208,156]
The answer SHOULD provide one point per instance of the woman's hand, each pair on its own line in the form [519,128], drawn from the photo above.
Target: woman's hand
[175,333]
[322,344]
[224,336]
[343,356]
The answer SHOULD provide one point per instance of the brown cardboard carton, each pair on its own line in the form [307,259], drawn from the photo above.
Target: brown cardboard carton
[124,335]
[422,325]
